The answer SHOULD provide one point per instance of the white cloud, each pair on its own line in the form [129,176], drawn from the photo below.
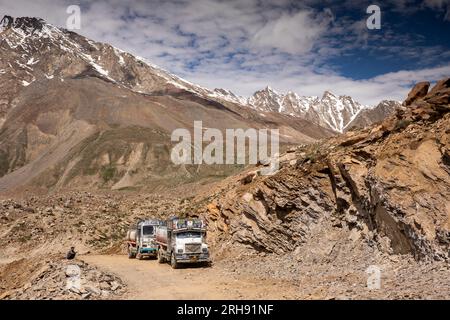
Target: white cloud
[395,85]
[296,34]
[244,45]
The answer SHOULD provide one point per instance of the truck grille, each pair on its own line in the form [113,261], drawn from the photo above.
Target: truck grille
[192,247]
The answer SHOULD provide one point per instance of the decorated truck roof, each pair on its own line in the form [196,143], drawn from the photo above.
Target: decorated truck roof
[150,222]
[185,223]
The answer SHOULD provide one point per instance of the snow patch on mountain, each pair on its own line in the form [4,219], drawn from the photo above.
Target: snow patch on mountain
[331,111]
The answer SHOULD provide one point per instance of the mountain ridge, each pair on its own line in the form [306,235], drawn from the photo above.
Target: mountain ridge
[335,112]
[331,111]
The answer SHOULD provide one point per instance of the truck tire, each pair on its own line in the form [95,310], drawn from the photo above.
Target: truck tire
[131,254]
[207,264]
[138,254]
[161,259]
[173,261]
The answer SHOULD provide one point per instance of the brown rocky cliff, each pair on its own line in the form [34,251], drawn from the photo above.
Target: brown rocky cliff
[389,184]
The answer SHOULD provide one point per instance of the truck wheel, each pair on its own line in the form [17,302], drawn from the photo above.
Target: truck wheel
[160,257]
[173,261]
[131,254]
[138,254]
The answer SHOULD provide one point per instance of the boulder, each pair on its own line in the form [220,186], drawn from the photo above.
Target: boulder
[440,95]
[441,85]
[419,91]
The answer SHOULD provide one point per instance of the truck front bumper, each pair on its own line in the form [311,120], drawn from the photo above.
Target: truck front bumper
[192,257]
[148,251]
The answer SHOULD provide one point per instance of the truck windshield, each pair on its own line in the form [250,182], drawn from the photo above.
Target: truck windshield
[185,235]
[147,230]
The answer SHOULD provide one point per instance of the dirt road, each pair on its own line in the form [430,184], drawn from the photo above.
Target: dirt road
[147,279]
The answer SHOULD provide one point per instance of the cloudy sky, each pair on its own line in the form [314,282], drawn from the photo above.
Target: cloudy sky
[244,45]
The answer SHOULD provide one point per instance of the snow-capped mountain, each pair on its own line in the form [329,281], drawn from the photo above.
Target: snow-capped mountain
[336,112]
[268,100]
[33,46]
[329,111]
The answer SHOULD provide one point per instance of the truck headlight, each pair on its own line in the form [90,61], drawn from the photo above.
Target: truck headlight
[204,250]
[180,250]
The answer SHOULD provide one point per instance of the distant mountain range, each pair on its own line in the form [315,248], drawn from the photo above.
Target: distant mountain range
[338,113]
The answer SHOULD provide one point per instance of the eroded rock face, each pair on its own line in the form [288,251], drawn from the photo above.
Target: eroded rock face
[390,184]
[420,90]
[275,215]
[439,96]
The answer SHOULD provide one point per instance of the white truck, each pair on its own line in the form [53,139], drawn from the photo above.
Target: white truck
[182,241]
[141,239]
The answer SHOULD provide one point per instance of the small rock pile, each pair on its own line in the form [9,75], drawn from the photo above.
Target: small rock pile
[68,280]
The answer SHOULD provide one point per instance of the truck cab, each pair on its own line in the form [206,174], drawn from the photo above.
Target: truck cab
[190,246]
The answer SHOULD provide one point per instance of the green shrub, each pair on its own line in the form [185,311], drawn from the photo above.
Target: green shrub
[402,124]
[107,173]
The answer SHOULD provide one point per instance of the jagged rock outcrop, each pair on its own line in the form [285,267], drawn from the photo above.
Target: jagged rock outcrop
[29,24]
[389,183]
[420,90]
[276,215]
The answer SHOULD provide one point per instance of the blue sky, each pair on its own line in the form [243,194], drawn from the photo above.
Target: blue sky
[244,45]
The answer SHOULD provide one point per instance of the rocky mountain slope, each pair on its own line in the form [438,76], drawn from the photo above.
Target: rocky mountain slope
[387,186]
[85,113]
[369,116]
[33,50]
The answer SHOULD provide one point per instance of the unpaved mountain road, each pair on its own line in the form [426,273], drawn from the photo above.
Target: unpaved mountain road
[148,280]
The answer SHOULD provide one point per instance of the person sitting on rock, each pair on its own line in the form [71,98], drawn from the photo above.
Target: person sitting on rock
[71,254]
